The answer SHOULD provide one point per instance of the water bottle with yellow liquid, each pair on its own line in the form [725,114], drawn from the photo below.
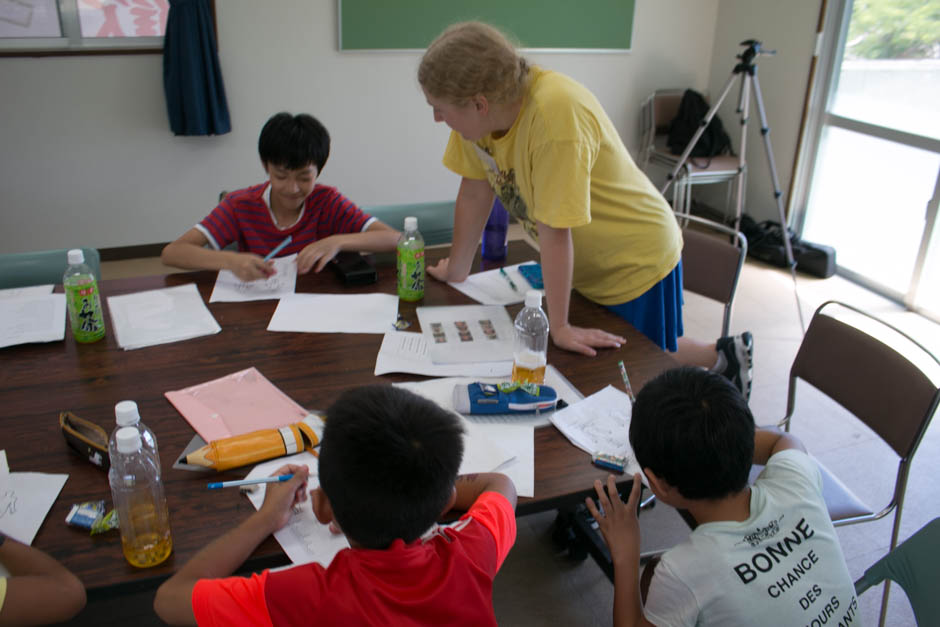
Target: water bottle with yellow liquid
[530,341]
[137,492]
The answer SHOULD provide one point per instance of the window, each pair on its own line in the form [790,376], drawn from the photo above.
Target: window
[51,27]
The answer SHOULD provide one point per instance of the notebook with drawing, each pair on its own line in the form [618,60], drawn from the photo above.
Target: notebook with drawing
[235,404]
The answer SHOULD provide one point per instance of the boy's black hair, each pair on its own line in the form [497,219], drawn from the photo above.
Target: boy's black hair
[294,141]
[388,463]
[694,429]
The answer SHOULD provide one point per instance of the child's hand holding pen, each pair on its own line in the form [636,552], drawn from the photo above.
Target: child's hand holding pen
[249,266]
[279,498]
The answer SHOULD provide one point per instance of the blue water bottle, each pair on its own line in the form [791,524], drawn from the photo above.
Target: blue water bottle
[495,233]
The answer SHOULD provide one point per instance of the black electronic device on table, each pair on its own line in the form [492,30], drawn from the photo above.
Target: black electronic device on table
[353,268]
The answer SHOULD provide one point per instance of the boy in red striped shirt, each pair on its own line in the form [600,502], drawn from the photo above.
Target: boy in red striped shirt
[319,219]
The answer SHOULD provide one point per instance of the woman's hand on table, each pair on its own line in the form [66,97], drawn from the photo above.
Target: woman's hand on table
[584,341]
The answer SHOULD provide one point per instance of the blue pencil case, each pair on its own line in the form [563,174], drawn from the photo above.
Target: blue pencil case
[532,272]
[503,398]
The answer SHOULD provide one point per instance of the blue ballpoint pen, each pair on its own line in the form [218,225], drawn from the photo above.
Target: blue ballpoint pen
[502,271]
[232,484]
[278,248]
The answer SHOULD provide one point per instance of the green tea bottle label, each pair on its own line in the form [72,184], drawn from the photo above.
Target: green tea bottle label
[410,273]
[85,314]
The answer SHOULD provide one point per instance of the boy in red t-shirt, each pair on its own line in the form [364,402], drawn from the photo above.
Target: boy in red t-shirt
[388,470]
[320,221]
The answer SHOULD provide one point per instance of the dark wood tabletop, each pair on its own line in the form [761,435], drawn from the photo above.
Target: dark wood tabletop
[40,380]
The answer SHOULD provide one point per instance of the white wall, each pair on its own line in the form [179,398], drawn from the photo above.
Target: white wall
[87,158]
[790,29]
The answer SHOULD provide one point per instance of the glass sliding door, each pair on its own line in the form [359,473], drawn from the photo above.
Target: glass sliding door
[873,190]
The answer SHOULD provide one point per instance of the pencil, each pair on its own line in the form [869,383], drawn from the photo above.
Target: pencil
[233,484]
[278,248]
[626,381]
[511,284]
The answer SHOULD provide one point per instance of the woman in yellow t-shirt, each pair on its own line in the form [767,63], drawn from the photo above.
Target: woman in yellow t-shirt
[38,590]
[544,144]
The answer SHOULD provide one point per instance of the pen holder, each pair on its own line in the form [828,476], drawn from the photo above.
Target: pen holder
[85,438]
[256,446]
[503,398]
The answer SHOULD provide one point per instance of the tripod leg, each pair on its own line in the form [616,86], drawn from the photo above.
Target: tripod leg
[744,112]
[765,135]
[670,178]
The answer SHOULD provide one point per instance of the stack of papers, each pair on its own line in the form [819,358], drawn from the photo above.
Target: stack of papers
[403,351]
[31,314]
[467,333]
[229,288]
[600,424]
[335,313]
[160,316]
[492,287]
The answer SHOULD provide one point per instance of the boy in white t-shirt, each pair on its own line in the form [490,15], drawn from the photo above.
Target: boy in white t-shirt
[765,554]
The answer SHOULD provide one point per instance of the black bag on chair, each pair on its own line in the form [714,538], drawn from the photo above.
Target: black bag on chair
[692,110]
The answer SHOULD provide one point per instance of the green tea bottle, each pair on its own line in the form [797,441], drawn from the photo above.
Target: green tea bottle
[86,317]
[411,262]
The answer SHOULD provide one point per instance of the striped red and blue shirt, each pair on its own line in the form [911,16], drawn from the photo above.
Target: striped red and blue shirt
[245,217]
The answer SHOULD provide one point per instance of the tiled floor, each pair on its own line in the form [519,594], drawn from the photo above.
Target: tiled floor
[540,586]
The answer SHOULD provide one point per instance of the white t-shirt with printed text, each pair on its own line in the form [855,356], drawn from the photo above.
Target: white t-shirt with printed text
[782,566]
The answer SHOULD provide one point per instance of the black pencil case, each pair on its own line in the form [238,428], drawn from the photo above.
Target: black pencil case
[353,268]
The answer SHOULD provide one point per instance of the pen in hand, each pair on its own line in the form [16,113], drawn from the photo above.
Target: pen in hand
[232,484]
[278,248]
[502,271]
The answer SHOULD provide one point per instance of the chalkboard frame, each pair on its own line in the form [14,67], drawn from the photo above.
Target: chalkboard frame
[377,25]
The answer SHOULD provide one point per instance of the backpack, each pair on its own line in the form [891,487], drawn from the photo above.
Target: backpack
[692,110]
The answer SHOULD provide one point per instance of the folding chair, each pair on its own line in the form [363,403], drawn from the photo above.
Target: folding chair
[895,396]
[711,266]
[655,115]
[913,564]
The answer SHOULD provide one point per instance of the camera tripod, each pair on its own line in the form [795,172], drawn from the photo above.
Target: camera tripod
[747,70]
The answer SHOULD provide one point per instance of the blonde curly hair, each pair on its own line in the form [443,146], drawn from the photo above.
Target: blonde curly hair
[471,58]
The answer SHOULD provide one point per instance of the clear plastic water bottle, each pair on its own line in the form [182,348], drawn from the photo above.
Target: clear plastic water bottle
[411,262]
[126,414]
[530,341]
[86,317]
[137,492]
[495,233]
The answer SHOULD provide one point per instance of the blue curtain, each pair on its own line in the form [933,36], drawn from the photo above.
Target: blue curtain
[192,78]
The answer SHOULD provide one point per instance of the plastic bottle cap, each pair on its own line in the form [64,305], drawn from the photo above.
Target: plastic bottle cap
[126,413]
[76,256]
[128,440]
[533,298]
[411,223]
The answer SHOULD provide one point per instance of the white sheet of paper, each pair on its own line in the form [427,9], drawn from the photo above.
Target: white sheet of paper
[512,432]
[335,313]
[25,499]
[467,333]
[404,351]
[600,424]
[304,538]
[160,316]
[29,290]
[492,288]
[32,318]
[229,288]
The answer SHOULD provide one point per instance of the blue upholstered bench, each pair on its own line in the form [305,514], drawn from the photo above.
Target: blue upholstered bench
[435,219]
[41,267]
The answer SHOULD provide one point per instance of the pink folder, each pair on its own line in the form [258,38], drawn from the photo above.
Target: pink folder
[235,404]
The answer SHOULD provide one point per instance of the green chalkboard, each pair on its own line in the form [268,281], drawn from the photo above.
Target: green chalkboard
[558,24]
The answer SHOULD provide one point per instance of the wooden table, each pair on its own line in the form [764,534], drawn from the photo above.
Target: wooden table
[41,380]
